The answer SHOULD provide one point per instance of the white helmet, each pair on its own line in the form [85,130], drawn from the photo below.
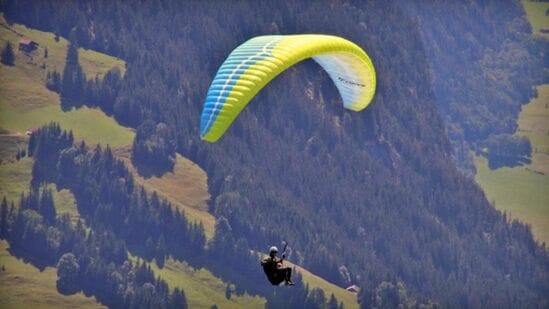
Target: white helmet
[273,249]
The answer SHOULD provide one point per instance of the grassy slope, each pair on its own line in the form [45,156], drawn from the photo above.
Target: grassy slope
[93,63]
[31,288]
[206,289]
[65,203]
[105,130]
[534,123]
[520,192]
[26,103]
[185,187]
[524,191]
[349,299]
[10,145]
[14,175]
[15,178]
[537,17]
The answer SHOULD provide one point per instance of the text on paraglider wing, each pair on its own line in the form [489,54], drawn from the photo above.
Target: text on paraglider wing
[343,80]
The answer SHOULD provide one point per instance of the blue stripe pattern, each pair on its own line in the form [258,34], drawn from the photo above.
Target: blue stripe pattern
[228,75]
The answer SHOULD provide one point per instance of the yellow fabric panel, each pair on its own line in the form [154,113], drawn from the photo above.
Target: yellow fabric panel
[346,63]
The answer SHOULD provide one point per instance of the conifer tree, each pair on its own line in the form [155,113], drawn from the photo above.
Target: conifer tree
[31,145]
[8,57]
[332,303]
[67,272]
[178,300]
[47,206]
[4,218]
[72,89]
[161,251]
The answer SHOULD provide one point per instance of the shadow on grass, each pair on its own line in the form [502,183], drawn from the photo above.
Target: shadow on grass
[40,262]
[148,170]
[495,162]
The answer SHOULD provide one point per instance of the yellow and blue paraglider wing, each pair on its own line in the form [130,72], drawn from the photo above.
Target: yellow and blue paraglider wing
[257,61]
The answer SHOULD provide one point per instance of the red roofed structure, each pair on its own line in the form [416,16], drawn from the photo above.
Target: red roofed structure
[27,45]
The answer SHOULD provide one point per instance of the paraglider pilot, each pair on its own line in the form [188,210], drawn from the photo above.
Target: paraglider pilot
[273,267]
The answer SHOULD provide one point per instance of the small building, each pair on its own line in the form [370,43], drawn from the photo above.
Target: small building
[31,131]
[353,289]
[27,45]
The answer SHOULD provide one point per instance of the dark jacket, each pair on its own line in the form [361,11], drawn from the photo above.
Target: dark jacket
[275,273]
[270,263]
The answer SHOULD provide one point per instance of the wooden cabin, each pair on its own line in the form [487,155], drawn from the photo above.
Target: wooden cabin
[27,45]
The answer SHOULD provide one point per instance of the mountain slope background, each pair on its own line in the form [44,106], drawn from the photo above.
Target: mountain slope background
[484,69]
[371,198]
[185,187]
[522,190]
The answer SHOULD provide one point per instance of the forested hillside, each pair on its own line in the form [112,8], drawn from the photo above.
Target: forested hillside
[485,63]
[32,267]
[119,223]
[369,198]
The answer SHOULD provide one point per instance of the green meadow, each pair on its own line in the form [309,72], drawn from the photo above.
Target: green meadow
[206,290]
[185,187]
[535,10]
[15,178]
[88,124]
[534,123]
[26,103]
[25,286]
[349,299]
[523,191]
[519,191]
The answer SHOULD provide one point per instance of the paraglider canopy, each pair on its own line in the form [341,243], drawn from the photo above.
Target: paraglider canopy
[257,61]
